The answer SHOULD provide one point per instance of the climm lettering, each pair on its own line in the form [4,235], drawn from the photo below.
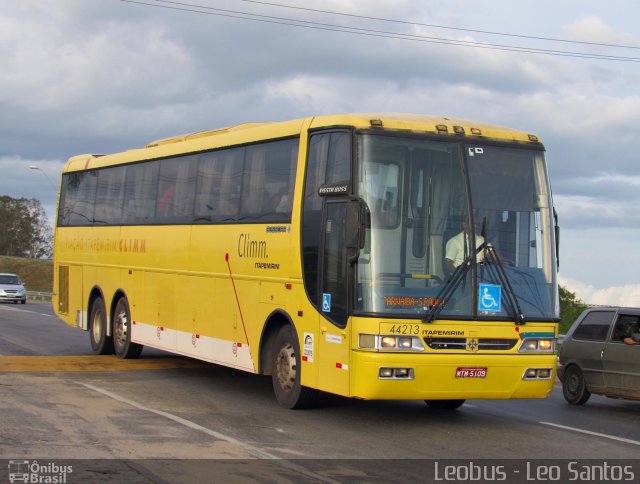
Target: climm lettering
[256,249]
[137,246]
[133,245]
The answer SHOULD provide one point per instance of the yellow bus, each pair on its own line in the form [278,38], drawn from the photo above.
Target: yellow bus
[374,256]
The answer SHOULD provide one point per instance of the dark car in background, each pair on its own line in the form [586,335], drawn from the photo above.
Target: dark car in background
[12,289]
[600,354]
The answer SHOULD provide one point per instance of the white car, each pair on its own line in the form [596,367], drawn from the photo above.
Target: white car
[12,289]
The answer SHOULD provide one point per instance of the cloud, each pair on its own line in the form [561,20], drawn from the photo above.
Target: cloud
[592,28]
[582,211]
[599,255]
[627,295]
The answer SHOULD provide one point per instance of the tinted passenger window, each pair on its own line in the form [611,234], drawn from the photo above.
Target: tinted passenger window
[246,184]
[77,205]
[141,185]
[219,185]
[595,326]
[109,196]
[268,180]
[176,189]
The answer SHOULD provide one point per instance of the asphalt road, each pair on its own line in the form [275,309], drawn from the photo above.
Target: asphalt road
[129,420]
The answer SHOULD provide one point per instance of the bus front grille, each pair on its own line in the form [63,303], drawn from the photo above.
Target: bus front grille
[474,344]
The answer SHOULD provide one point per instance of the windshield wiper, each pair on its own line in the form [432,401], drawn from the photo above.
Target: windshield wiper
[495,268]
[459,274]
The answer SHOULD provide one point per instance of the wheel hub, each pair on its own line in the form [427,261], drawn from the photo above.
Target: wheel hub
[286,367]
[96,326]
[120,328]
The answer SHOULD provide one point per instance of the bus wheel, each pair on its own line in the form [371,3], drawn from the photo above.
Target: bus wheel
[574,388]
[101,344]
[285,373]
[122,332]
[444,404]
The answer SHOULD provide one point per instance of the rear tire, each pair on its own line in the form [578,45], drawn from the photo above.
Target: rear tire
[444,404]
[285,372]
[101,344]
[574,388]
[124,348]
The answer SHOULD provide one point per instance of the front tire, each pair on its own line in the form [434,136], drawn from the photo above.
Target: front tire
[285,372]
[101,344]
[574,388]
[124,348]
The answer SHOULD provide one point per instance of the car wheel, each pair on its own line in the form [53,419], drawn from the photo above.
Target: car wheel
[124,348]
[574,388]
[101,344]
[285,372]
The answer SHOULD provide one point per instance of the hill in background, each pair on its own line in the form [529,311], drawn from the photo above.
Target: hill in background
[37,274]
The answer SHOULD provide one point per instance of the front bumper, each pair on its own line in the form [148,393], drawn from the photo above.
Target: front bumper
[13,297]
[434,376]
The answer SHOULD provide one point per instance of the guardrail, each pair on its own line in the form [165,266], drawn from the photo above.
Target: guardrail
[39,295]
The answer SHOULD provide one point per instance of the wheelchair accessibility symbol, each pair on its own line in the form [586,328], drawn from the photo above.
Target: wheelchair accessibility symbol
[490,298]
[326,302]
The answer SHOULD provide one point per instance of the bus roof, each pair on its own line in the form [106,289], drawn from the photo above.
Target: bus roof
[250,132]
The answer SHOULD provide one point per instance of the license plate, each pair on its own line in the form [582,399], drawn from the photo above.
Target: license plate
[471,372]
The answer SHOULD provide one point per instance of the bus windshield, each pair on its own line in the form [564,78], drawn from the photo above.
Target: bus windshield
[466,227]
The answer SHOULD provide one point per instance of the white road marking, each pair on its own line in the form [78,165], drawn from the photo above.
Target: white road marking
[250,449]
[27,311]
[595,434]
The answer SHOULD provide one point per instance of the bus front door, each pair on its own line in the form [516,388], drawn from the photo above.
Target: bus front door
[334,341]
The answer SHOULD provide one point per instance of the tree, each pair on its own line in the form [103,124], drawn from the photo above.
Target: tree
[25,228]
[570,309]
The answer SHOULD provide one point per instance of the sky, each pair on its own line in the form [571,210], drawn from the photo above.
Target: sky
[101,76]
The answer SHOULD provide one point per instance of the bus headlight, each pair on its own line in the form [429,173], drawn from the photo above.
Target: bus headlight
[538,374]
[396,373]
[405,342]
[545,345]
[367,341]
[389,342]
[538,345]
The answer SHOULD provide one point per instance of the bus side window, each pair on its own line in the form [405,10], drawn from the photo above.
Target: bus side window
[78,198]
[166,200]
[268,177]
[218,185]
[176,189]
[109,196]
[140,187]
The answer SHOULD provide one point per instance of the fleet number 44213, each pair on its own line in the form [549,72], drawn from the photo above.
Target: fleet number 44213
[408,329]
